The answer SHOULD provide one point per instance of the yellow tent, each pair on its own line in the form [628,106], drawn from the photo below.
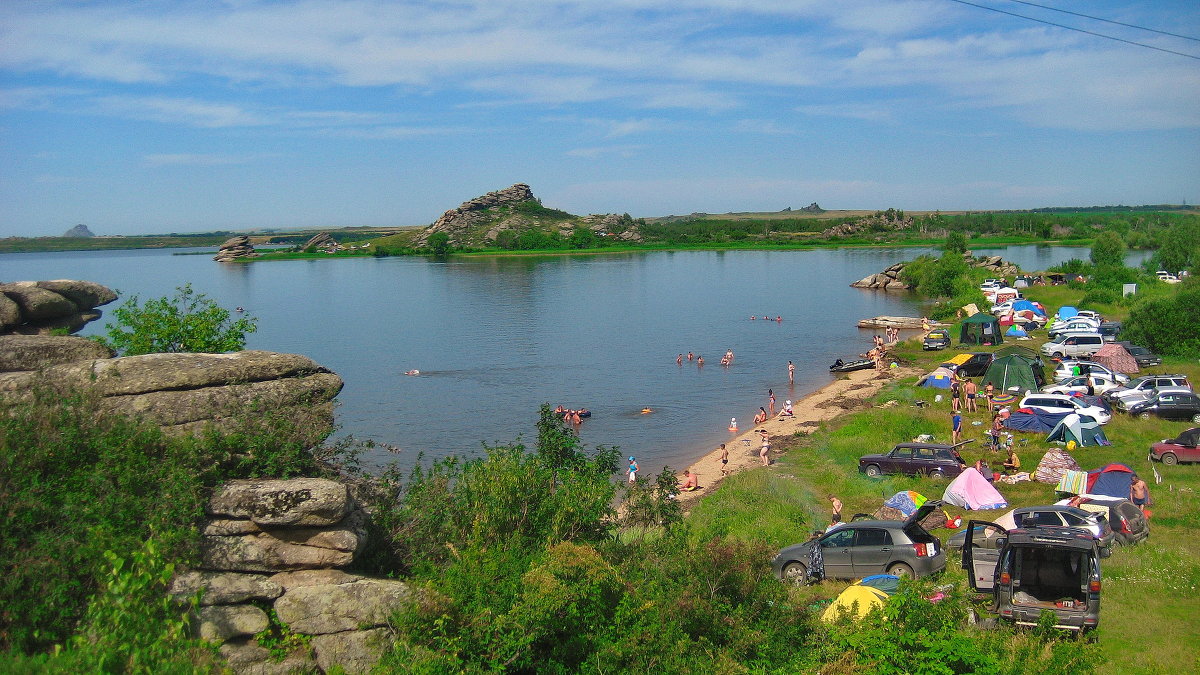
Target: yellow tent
[858,600]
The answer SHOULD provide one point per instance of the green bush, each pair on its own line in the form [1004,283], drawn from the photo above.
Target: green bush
[188,322]
[1165,324]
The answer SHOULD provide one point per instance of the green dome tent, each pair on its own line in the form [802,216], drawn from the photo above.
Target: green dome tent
[980,329]
[1011,371]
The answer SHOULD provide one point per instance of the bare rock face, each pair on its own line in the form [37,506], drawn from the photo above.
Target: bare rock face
[246,657]
[320,610]
[356,651]
[222,622]
[235,248]
[300,501]
[35,307]
[34,352]
[321,242]
[265,552]
[224,588]
[79,231]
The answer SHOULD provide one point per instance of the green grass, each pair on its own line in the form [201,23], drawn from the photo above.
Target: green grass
[1149,619]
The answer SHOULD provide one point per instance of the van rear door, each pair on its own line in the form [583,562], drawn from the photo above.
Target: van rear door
[981,553]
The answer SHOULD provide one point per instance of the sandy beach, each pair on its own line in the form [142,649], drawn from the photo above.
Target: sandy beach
[848,392]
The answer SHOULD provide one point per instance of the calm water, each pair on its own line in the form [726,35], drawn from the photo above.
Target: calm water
[496,337]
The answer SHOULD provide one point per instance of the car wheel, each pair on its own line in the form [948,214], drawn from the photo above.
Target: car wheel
[873,471]
[900,570]
[937,475]
[1144,416]
[1058,355]
[1170,459]
[1196,418]
[795,573]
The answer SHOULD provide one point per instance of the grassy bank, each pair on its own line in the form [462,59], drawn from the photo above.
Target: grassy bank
[1148,619]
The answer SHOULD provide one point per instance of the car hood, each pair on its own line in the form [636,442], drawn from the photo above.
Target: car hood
[798,551]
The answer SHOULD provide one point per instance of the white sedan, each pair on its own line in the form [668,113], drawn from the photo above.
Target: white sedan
[1078,385]
[1064,371]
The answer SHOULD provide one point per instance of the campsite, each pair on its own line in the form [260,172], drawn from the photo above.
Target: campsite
[1148,622]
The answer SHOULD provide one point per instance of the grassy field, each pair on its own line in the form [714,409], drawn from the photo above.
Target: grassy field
[1150,622]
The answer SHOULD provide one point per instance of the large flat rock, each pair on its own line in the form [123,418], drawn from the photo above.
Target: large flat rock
[319,610]
[299,501]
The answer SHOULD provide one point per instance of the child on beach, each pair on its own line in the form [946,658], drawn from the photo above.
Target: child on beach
[633,469]
[724,460]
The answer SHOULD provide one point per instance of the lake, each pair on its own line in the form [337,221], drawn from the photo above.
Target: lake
[494,337]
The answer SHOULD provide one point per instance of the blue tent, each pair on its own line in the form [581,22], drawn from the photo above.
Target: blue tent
[1066,312]
[905,502]
[1034,421]
[1112,480]
[936,381]
[1023,305]
[1016,331]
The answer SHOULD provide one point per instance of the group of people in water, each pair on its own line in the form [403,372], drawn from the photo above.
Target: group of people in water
[765,317]
[725,360]
[572,416]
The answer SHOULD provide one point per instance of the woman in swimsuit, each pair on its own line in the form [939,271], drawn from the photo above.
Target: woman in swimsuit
[761,416]
[766,447]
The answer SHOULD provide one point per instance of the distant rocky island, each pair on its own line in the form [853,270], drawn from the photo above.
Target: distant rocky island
[80,230]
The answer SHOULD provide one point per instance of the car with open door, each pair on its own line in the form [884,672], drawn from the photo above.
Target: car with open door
[865,547]
[1030,570]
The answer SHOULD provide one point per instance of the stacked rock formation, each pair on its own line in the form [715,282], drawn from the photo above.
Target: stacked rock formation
[235,248]
[456,222]
[182,393]
[39,307]
[80,230]
[320,242]
[282,544]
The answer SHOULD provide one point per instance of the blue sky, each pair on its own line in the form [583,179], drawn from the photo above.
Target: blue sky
[150,117]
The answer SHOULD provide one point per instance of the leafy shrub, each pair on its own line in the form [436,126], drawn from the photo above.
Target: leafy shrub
[1165,324]
[188,322]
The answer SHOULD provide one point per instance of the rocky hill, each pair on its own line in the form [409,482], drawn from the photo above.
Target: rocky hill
[79,231]
[482,221]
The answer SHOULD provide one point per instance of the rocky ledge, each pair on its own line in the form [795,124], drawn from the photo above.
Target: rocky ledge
[39,307]
[235,248]
[889,279]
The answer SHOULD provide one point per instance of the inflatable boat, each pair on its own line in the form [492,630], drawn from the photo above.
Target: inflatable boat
[841,366]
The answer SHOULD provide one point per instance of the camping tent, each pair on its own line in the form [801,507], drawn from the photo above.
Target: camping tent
[1053,465]
[972,491]
[1112,480]
[1016,331]
[980,329]
[940,378]
[1083,429]
[1116,357]
[1026,305]
[906,502]
[1066,312]
[1034,420]
[1024,352]
[1011,371]
[857,600]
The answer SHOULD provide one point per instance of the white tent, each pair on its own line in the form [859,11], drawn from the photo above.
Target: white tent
[973,492]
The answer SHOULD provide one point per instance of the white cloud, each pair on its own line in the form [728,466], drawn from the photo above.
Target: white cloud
[624,151]
[197,159]
[184,111]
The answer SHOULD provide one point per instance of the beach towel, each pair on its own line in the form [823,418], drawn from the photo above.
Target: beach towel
[1072,482]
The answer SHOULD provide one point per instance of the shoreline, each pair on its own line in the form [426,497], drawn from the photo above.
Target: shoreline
[827,403]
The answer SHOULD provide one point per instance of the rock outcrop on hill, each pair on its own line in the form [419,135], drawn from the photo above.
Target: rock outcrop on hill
[182,393]
[80,230]
[889,279]
[235,248]
[38,307]
[456,222]
[283,544]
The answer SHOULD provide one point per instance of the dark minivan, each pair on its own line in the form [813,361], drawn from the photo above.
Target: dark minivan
[1031,570]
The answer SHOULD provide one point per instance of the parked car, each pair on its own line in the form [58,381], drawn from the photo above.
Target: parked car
[1141,388]
[866,547]
[1073,345]
[1073,327]
[1002,308]
[1053,516]
[974,364]
[1064,403]
[1126,520]
[1175,405]
[1182,448]
[937,339]
[1109,330]
[1079,385]
[1144,357]
[1030,570]
[1063,323]
[930,459]
[1066,369]
[1088,314]
[1167,277]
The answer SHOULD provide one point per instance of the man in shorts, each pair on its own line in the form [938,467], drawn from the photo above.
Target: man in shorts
[724,460]
[1139,493]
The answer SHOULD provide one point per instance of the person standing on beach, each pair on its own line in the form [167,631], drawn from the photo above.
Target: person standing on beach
[791,373]
[770,402]
[724,460]
[765,451]
[955,426]
[633,469]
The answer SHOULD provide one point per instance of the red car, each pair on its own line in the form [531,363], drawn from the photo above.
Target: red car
[1176,450]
